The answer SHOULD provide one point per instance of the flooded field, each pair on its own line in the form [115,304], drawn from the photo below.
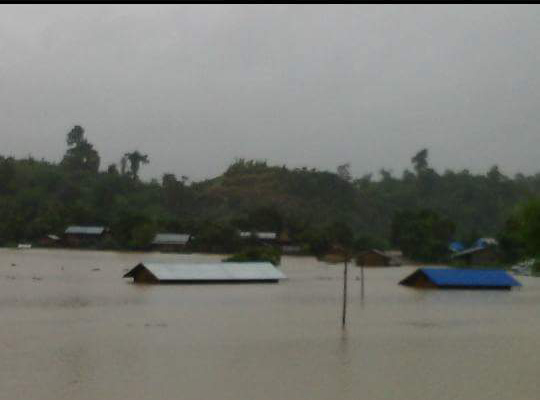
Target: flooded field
[72,328]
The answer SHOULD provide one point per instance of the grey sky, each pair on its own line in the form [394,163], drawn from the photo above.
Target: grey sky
[196,86]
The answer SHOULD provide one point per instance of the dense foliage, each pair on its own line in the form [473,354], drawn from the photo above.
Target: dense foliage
[422,235]
[257,254]
[521,234]
[40,197]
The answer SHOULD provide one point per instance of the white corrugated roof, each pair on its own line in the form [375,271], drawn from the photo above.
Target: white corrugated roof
[214,272]
[85,230]
[171,238]
[469,251]
[259,235]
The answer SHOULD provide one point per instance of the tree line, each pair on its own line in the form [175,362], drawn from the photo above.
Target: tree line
[419,211]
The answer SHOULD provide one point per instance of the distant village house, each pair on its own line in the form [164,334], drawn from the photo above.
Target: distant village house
[484,252]
[260,237]
[84,235]
[446,278]
[478,256]
[379,258]
[170,242]
[49,241]
[227,272]
[288,246]
[456,247]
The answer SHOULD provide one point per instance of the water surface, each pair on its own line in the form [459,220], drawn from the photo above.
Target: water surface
[72,328]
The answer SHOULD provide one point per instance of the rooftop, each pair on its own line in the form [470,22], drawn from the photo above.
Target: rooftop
[245,271]
[85,230]
[171,238]
[259,235]
[471,250]
[450,277]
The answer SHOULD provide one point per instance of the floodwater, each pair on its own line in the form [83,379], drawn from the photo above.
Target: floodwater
[72,328]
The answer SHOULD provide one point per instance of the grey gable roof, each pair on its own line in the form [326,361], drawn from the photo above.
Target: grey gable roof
[259,235]
[171,238]
[471,251]
[226,271]
[85,230]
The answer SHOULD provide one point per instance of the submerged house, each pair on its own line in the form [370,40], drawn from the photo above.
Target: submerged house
[440,278]
[49,240]
[260,237]
[456,247]
[378,258]
[485,242]
[480,255]
[77,235]
[287,245]
[291,248]
[170,242]
[229,272]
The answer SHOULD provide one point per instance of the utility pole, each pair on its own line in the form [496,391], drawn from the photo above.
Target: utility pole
[362,280]
[345,282]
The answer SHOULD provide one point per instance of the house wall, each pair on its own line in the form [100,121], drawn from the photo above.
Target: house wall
[419,280]
[75,240]
[291,249]
[143,276]
[485,257]
[372,260]
[169,248]
[47,242]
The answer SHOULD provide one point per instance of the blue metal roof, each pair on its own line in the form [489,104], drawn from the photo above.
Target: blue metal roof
[470,277]
[456,247]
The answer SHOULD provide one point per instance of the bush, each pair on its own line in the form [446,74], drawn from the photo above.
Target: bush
[256,254]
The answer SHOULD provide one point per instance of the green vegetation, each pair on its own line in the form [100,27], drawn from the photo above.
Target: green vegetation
[422,235]
[419,211]
[520,237]
[257,254]
[536,268]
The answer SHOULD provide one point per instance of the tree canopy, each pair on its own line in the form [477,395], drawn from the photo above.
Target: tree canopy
[520,236]
[80,156]
[135,159]
[41,197]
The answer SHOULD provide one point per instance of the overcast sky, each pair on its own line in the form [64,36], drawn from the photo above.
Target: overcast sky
[196,86]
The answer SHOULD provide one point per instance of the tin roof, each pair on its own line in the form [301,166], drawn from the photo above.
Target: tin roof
[470,277]
[245,271]
[456,247]
[85,230]
[171,238]
[259,235]
[469,251]
[484,242]
[376,251]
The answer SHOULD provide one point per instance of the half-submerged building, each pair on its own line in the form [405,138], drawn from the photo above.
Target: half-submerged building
[440,278]
[80,235]
[260,237]
[378,258]
[244,272]
[170,242]
[487,255]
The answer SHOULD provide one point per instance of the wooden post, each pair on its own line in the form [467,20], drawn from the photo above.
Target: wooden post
[344,315]
[362,281]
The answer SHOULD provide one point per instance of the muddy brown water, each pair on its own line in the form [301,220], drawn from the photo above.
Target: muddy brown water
[72,328]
